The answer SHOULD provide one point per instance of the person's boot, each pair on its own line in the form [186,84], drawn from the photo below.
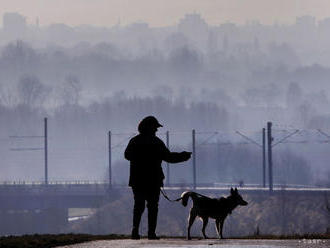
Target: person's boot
[153,236]
[136,223]
[135,234]
[152,223]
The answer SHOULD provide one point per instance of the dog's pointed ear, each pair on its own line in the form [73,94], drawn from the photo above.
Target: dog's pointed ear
[236,190]
[231,191]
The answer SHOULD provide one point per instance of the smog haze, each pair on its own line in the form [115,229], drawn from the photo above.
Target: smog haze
[213,66]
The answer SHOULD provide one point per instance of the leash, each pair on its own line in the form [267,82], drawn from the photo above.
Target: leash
[167,198]
[178,199]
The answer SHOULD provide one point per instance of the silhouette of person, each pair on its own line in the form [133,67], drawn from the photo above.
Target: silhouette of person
[146,152]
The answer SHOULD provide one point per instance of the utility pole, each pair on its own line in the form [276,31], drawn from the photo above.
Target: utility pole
[194,157]
[270,161]
[109,153]
[46,150]
[264,157]
[168,166]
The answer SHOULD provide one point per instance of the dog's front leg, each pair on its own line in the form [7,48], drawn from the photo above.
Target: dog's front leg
[205,221]
[192,217]
[221,227]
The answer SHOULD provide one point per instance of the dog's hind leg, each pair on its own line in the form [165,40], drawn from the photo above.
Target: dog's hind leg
[192,217]
[205,221]
[217,225]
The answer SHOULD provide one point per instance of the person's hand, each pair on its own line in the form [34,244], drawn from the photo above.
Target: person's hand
[186,155]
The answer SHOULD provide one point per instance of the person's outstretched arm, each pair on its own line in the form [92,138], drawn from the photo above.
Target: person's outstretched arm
[175,157]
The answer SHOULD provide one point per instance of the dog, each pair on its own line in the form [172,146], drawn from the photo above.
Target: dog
[215,208]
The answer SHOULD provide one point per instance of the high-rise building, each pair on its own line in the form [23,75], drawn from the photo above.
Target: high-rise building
[195,29]
[14,26]
[14,21]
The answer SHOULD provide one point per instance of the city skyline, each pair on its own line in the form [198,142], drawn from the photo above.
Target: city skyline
[158,13]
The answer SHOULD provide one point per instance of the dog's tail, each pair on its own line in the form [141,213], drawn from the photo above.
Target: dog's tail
[185,197]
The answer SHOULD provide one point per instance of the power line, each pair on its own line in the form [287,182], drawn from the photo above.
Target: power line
[207,139]
[121,134]
[286,137]
[249,139]
[26,136]
[26,149]
[121,142]
[323,133]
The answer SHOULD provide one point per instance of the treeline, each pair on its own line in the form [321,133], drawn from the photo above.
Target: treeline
[87,92]
[78,137]
[251,88]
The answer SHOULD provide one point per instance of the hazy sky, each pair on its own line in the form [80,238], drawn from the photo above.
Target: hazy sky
[163,12]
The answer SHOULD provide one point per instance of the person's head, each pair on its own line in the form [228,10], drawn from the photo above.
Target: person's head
[149,125]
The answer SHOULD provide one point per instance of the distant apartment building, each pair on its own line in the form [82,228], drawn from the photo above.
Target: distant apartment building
[14,26]
[195,29]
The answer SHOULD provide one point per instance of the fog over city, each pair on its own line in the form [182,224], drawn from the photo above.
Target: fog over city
[221,78]
[77,77]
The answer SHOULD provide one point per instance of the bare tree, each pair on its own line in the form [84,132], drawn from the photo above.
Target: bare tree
[8,96]
[71,90]
[31,91]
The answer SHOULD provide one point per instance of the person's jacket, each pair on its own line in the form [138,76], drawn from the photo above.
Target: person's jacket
[146,153]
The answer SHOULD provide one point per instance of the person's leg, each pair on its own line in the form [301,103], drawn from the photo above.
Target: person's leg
[152,205]
[139,206]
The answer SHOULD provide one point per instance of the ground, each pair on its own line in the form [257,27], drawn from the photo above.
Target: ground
[227,243]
